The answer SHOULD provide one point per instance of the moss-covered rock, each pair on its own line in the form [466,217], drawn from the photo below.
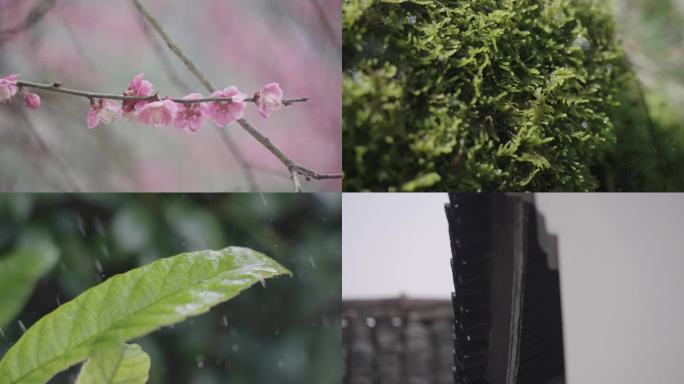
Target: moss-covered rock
[482,95]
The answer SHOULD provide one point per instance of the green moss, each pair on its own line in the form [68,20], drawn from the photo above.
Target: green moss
[482,95]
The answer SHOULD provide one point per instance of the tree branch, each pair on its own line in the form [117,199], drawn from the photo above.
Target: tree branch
[173,75]
[163,58]
[59,163]
[292,167]
[173,47]
[32,18]
[57,87]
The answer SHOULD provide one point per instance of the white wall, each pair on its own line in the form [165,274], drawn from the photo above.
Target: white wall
[622,285]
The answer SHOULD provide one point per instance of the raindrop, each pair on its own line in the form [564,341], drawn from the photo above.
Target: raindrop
[281,364]
[236,347]
[345,323]
[397,322]
[224,321]
[277,332]
[370,322]
[263,199]
[411,19]
[2,333]
[105,250]
[98,225]
[582,43]
[313,264]
[263,282]
[59,303]
[200,361]
[98,265]
[81,225]
[21,326]
[585,124]
[357,77]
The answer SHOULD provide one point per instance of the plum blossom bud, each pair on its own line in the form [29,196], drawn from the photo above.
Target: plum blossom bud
[8,87]
[32,100]
[102,111]
[158,113]
[223,113]
[269,98]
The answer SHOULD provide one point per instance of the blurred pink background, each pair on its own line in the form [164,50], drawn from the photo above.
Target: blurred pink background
[101,45]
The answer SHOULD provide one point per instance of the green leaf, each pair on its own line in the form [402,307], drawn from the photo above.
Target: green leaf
[423,181]
[130,305]
[120,364]
[19,272]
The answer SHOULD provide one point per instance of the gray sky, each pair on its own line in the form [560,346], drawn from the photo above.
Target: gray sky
[393,244]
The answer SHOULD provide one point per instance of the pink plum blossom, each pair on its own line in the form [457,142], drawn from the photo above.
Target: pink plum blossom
[269,98]
[138,87]
[157,113]
[32,100]
[190,117]
[223,113]
[8,87]
[103,111]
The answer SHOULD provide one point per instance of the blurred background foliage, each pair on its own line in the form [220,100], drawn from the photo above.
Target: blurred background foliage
[652,158]
[287,331]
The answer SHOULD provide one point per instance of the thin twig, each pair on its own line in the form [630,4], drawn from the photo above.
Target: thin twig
[57,87]
[70,178]
[176,79]
[173,47]
[35,15]
[77,44]
[163,58]
[292,167]
[244,164]
[330,30]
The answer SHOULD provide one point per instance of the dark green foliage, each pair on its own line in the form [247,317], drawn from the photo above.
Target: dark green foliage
[483,95]
[650,148]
